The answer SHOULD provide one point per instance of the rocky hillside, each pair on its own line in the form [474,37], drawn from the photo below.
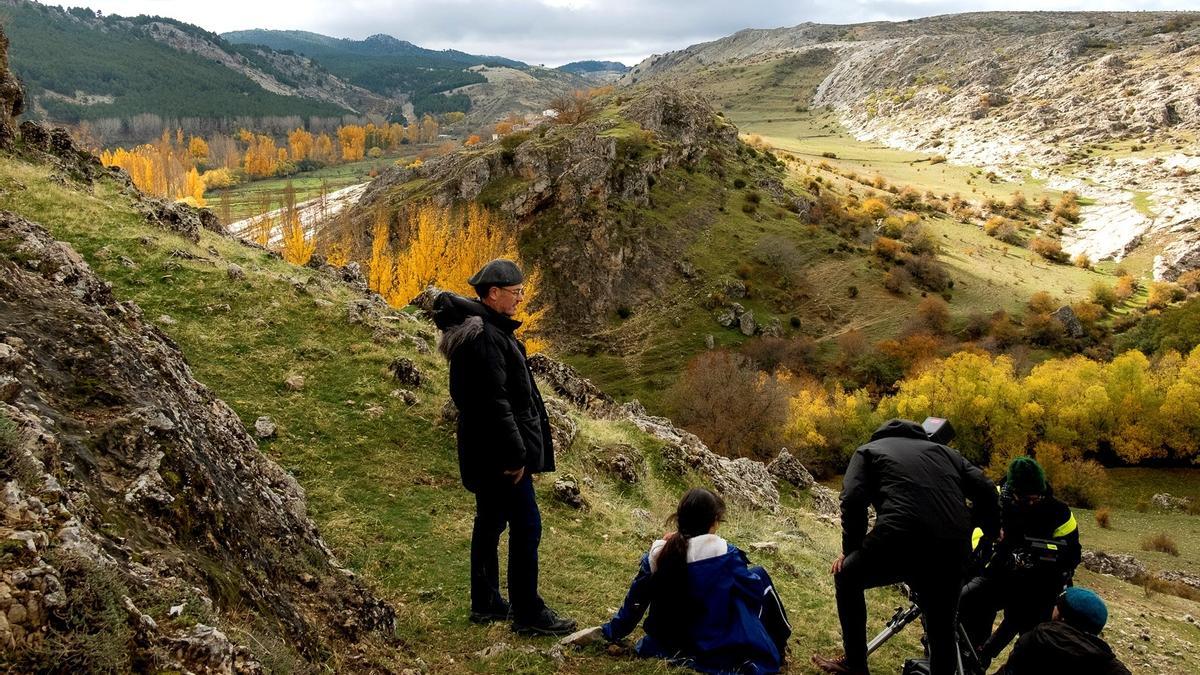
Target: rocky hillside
[145,530]
[1105,104]
[608,207]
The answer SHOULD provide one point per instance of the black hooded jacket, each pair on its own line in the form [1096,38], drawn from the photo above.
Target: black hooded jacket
[919,490]
[1056,647]
[502,420]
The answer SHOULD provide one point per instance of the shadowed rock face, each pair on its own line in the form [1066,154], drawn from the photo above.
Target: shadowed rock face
[121,461]
[12,99]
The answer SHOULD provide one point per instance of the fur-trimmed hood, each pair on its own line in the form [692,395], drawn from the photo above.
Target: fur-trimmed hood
[461,321]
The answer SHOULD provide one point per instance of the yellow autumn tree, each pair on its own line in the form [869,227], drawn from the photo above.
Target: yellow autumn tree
[323,149]
[444,247]
[353,141]
[198,149]
[194,188]
[261,157]
[300,145]
[298,247]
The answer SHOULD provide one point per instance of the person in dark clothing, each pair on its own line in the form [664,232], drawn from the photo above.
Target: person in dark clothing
[503,438]
[708,608]
[1069,643]
[1032,562]
[922,532]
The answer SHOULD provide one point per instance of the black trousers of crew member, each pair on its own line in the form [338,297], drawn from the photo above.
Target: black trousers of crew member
[1026,601]
[934,571]
[500,504]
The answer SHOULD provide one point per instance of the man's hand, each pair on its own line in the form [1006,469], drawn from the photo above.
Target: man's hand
[516,475]
[587,636]
[837,564]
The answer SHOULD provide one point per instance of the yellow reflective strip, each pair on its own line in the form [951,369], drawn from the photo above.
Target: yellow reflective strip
[975,537]
[1066,528]
[1052,547]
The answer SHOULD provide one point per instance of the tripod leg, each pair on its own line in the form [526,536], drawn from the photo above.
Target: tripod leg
[899,620]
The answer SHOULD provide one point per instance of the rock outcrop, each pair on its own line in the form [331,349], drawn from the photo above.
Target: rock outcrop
[741,480]
[576,196]
[122,473]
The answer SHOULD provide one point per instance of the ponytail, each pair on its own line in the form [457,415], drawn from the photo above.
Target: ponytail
[698,511]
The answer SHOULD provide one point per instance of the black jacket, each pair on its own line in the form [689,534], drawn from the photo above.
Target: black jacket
[1056,647]
[1049,518]
[919,490]
[502,420]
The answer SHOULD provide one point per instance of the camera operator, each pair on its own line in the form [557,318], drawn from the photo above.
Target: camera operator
[1032,562]
[919,488]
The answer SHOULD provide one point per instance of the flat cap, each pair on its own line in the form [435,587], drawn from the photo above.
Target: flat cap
[499,272]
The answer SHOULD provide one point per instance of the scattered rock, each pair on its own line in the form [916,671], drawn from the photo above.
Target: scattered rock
[235,272]
[787,468]
[566,383]
[265,427]
[825,501]
[563,428]
[1067,317]
[746,324]
[767,547]
[566,490]
[405,371]
[623,462]
[1180,577]
[1119,565]
[642,514]
[709,341]
[1169,502]
[405,395]
[294,382]
[449,413]
[166,320]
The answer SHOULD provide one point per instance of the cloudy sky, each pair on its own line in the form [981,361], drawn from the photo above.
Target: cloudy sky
[554,32]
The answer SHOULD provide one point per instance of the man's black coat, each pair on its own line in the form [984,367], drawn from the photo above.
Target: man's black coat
[502,421]
[919,490]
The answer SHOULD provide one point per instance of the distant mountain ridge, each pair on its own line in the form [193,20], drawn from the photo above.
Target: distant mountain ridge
[78,65]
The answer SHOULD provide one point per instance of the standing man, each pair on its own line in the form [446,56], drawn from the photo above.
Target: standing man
[922,535]
[503,439]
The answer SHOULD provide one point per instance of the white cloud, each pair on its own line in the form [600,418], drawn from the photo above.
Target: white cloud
[557,31]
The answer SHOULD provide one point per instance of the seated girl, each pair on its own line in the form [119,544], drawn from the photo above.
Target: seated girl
[708,608]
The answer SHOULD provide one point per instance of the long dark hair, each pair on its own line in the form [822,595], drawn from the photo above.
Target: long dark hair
[698,511]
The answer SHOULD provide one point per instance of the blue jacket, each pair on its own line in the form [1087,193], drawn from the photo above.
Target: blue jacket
[726,635]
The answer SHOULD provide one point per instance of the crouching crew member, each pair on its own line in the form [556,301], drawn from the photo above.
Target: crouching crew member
[1033,560]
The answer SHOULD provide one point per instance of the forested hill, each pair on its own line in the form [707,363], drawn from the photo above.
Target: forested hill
[78,65]
[386,65]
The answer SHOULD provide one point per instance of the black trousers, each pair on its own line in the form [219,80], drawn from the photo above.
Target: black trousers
[934,572]
[500,505]
[1026,603]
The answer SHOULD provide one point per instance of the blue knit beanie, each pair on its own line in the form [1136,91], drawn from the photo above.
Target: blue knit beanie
[1083,609]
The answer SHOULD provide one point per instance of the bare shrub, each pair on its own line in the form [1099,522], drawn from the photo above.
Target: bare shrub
[1162,543]
[732,406]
